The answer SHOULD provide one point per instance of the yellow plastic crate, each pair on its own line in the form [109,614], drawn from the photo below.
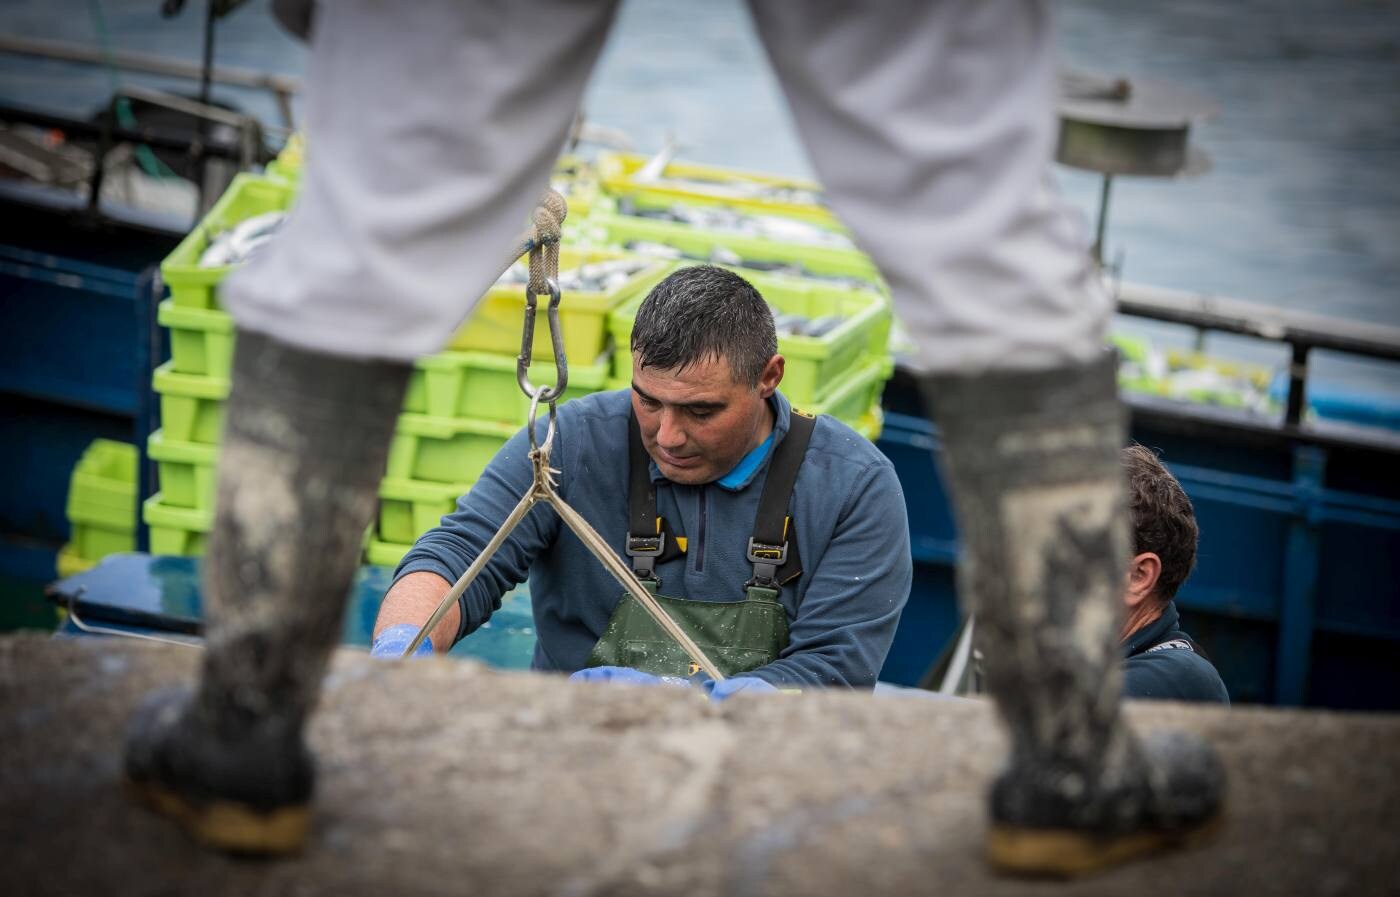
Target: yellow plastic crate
[482,386]
[191,405]
[409,508]
[698,184]
[201,339]
[176,531]
[495,325]
[577,181]
[445,450]
[187,471]
[856,394]
[814,365]
[101,505]
[102,488]
[871,424]
[385,554]
[289,162]
[607,226]
[94,541]
[194,287]
[70,562]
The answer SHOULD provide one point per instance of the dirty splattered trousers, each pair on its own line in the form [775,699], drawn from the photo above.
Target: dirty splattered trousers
[431,130]
[930,126]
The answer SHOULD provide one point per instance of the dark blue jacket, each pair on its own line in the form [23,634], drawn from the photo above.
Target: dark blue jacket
[847,508]
[1162,662]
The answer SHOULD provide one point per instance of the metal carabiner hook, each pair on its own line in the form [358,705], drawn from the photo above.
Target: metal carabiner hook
[535,445]
[527,345]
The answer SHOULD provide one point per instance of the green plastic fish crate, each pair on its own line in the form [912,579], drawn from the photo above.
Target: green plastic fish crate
[577,182]
[191,406]
[610,228]
[409,508]
[281,171]
[194,287]
[385,554]
[709,185]
[187,471]
[290,161]
[102,487]
[495,325]
[70,563]
[483,386]
[856,394]
[871,424]
[1186,375]
[445,450]
[201,339]
[92,542]
[176,531]
[101,505]
[815,365]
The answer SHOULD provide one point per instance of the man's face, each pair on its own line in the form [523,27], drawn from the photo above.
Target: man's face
[698,422]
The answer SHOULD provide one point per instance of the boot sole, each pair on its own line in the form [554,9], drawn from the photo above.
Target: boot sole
[228,825]
[1057,853]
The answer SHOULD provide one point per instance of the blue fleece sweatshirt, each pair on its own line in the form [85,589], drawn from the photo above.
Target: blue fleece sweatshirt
[1161,662]
[847,508]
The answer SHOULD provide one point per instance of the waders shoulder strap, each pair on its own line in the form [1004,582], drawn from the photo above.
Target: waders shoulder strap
[649,539]
[773,545]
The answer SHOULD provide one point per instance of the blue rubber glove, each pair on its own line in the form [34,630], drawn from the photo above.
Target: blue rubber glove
[718,691]
[392,642]
[625,676]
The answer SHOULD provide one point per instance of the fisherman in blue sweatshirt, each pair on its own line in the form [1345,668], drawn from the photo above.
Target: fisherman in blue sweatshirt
[1161,660]
[778,540]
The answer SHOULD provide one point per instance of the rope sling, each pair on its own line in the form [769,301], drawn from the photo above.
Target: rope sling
[541,241]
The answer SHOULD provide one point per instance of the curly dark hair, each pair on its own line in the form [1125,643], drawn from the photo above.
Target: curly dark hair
[1163,520]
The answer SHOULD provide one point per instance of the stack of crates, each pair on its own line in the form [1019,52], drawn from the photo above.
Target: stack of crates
[462,404]
[194,384]
[841,372]
[101,506]
[620,175]
[623,216]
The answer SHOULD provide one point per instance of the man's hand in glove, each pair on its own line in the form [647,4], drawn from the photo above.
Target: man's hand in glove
[392,642]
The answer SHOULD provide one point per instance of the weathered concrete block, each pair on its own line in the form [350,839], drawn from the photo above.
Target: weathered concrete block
[446,777]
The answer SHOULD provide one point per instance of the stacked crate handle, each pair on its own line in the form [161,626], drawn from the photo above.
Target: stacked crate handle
[541,241]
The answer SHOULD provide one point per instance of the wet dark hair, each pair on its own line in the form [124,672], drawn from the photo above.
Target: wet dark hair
[703,312]
[1163,521]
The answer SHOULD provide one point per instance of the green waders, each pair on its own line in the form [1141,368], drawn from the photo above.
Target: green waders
[737,635]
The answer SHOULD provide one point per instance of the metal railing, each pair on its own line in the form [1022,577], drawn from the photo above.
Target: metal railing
[1301,331]
[282,87]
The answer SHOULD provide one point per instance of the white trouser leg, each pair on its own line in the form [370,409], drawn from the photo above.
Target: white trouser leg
[431,129]
[932,125]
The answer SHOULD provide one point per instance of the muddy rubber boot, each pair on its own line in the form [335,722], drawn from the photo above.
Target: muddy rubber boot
[304,448]
[1032,462]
